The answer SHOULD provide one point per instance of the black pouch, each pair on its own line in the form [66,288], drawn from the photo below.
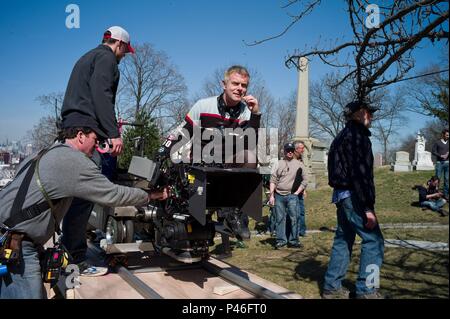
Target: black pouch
[10,251]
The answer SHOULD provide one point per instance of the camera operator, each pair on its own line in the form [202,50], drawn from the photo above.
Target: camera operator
[34,203]
[233,109]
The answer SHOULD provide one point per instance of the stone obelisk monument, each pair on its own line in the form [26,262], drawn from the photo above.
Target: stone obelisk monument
[302,119]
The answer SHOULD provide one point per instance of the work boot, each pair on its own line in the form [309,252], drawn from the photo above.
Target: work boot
[342,293]
[295,245]
[279,246]
[373,295]
[443,212]
[237,222]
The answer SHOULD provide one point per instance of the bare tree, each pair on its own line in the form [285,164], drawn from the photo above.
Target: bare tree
[151,83]
[285,120]
[380,50]
[44,133]
[327,103]
[390,119]
[430,94]
[52,101]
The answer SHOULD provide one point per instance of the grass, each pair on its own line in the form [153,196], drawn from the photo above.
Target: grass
[406,273]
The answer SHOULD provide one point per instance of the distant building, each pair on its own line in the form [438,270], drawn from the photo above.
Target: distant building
[29,149]
[5,158]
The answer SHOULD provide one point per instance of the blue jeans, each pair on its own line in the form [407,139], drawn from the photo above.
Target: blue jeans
[434,205]
[350,221]
[286,205]
[24,281]
[301,217]
[74,229]
[442,168]
[76,220]
[109,166]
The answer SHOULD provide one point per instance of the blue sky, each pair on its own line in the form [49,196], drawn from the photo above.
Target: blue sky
[199,36]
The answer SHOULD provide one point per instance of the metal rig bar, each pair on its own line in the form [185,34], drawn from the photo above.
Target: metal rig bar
[246,284]
[137,284]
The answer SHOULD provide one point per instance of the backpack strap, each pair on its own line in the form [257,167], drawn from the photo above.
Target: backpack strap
[19,214]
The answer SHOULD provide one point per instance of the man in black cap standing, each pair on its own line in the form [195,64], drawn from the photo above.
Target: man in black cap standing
[34,203]
[285,198]
[92,91]
[350,173]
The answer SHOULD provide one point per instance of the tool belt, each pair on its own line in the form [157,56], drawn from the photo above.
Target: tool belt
[11,247]
[53,262]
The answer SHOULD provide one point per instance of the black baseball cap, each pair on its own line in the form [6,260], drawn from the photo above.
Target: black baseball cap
[76,119]
[289,147]
[355,106]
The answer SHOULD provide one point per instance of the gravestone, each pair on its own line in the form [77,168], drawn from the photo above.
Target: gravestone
[378,160]
[422,159]
[402,163]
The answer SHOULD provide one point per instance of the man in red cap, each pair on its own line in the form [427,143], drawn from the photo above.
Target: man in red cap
[93,84]
[92,91]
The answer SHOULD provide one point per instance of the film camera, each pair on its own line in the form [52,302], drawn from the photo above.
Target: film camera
[184,225]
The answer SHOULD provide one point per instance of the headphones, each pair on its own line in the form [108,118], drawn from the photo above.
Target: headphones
[233,112]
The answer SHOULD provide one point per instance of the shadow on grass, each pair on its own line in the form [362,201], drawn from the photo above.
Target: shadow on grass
[416,274]
[219,248]
[262,227]
[415,204]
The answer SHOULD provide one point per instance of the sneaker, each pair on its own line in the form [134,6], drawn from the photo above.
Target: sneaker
[342,293]
[373,295]
[296,245]
[240,244]
[89,270]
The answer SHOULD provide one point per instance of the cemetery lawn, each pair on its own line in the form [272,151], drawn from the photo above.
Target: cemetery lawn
[406,273]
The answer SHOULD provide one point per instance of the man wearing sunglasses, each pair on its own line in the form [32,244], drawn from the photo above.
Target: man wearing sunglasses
[92,91]
[350,173]
[285,198]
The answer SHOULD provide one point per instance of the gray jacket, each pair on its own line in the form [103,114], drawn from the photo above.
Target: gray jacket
[65,173]
[284,176]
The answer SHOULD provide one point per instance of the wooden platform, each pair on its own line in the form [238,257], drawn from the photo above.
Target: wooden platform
[169,280]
